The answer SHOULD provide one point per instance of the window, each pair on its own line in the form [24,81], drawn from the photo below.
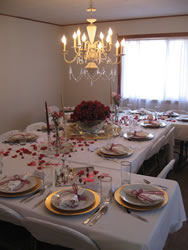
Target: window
[156,69]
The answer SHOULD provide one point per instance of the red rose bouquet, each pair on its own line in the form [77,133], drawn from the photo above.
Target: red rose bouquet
[88,111]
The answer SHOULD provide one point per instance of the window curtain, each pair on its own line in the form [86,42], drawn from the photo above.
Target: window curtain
[155,72]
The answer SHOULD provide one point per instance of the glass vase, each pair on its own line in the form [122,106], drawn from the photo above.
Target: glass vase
[57,139]
[116,113]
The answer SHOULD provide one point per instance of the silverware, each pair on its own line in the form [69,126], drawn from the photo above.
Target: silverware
[42,200]
[35,195]
[149,182]
[136,215]
[102,212]
[93,215]
[29,196]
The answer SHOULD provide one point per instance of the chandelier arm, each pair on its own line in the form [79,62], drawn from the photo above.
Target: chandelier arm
[69,61]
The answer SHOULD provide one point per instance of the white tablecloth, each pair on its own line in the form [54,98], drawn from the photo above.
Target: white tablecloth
[117,229]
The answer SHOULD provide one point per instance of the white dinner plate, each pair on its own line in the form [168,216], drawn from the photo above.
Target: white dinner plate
[5,189]
[22,137]
[134,200]
[149,136]
[65,195]
[126,151]
[150,125]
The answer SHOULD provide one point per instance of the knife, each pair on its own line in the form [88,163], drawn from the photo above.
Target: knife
[41,201]
[102,212]
[93,215]
[136,215]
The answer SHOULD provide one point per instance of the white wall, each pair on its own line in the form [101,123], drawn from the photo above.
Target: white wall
[76,92]
[31,71]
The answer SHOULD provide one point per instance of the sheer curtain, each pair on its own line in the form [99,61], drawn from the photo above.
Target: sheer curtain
[155,72]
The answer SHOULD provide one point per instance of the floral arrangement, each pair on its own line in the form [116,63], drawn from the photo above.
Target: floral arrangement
[90,111]
[56,116]
[116,98]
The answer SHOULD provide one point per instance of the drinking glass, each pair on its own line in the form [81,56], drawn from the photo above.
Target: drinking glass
[106,189]
[125,172]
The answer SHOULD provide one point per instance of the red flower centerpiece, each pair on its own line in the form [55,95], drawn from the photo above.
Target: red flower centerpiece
[90,116]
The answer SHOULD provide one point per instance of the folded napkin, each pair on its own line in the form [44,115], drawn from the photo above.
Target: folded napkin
[139,134]
[150,117]
[14,185]
[146,196]
[152,122]
[73,199]
[16,182]
[116,148]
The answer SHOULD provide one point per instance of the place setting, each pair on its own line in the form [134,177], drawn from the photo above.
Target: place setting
[138,135]
[153,124]
[182,118]
[72,200]
[137,197]
[19,185]
[21,138]
[113,150]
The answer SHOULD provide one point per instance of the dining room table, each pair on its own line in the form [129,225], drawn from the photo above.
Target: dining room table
[117,229]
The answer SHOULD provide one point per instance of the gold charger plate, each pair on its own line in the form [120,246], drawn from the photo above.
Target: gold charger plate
[50,207]
[105,133]
[118,199]
[30,191]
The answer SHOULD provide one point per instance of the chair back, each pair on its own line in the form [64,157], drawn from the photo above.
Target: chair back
[166,169]
[58,234]
[156,147]
[9,215]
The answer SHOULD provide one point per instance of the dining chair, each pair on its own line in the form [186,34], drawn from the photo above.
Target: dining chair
[35,126]
[48,232]
[163,174]
[156,147]
[9,215]
[169,144]
[13,235]
[154,154]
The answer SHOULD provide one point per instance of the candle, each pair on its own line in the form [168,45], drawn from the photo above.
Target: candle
[62,103]
[117,48]
[47,119]
[111,102]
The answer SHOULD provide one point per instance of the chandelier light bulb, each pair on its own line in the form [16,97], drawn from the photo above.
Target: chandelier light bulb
[117,48]
[100,45]
[84,37]
[101,36]
[122,45]
[110,32]
[108,39]
[64,41]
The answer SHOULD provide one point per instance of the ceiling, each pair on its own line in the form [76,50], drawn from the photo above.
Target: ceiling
[65,12]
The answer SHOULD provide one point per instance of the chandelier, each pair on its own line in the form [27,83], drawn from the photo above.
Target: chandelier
[92,54]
